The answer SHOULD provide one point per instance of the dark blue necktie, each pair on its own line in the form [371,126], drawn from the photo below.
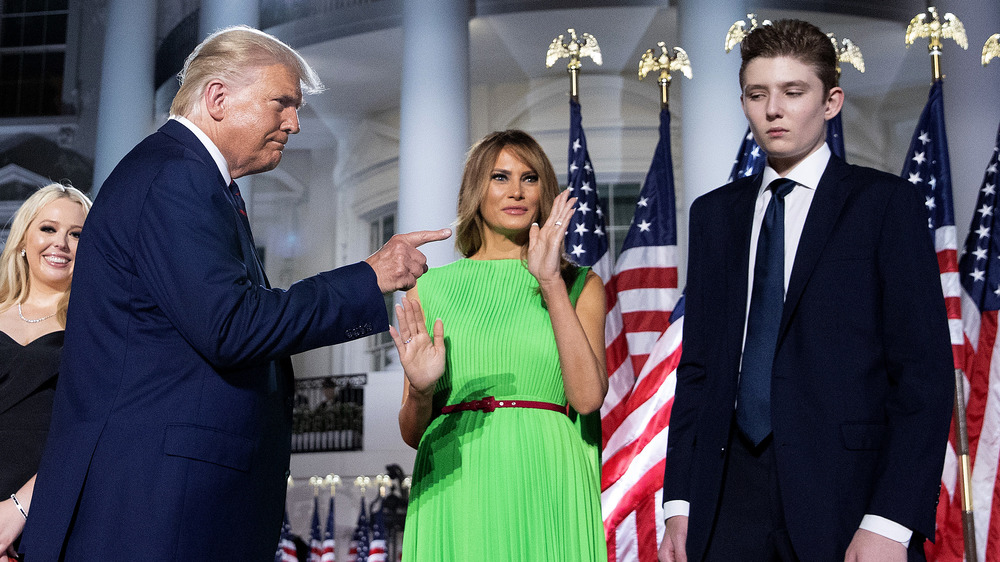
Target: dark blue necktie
[753,403]
[240,205]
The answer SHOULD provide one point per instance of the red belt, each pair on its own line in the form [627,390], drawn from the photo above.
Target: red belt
[490,403]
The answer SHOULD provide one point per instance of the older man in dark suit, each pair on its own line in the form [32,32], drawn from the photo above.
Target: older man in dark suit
[814,393]
[170,433]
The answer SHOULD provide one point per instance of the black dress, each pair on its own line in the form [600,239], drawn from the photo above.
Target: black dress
[27,385]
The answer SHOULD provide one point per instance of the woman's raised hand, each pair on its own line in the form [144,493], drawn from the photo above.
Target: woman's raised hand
[545,242]
[423,359]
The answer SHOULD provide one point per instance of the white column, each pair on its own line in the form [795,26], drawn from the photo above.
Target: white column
[213,16]
[712,122]
[125,110]
[971,104]
[217,14]
[434,118]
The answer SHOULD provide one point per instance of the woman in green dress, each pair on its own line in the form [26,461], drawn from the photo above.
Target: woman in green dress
[502,470]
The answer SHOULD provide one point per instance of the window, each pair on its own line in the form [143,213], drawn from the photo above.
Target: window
[618,201]
[32,56]
[380,345]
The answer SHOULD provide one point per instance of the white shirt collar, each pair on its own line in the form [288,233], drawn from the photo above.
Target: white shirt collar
[806,173]
[220,160]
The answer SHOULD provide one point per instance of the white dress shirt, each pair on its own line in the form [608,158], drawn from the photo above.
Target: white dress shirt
[220,160]
[806,174]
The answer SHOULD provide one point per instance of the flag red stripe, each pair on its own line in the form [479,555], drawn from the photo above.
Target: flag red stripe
[954,307]
[612,541]
[646,321]
[645,526]
[947,260]
[664,277]
[645,486]
[978,373]
[642,391]
[993,535]
[617,352]
[615,466]
[647,278]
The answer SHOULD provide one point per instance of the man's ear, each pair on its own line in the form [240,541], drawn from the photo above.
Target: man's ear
[216,97]
[834,102]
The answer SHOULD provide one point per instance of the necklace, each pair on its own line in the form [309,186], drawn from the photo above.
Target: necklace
[35,321]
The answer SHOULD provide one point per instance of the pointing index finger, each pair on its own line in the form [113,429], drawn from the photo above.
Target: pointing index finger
[420,237]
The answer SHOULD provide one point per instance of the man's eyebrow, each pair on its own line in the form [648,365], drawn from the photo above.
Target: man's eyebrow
[780,85]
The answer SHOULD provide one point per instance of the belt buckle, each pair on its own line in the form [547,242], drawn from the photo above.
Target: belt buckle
[487,404]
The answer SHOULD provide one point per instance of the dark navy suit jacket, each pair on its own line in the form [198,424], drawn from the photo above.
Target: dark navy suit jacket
[172,416]
[862,386]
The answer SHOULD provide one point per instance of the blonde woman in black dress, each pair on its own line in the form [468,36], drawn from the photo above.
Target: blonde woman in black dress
[36,268]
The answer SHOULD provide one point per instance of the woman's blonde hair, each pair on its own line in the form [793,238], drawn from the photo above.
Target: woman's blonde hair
[14,279]
[470,227]
[227,54]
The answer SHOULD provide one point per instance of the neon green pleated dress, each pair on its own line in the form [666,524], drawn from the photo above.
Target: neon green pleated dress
[515,483]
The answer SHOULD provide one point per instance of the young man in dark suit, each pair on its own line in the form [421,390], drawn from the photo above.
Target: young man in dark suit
[815,391]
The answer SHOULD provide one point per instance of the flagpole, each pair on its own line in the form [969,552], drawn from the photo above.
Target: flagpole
[935,31]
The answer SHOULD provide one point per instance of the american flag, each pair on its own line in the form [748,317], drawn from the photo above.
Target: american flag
[980,274]
[358,551]
[927,167]
[286,548]
[377,551]
[587,240]
[750,158]
[315,540]
[329,542]
[642,336]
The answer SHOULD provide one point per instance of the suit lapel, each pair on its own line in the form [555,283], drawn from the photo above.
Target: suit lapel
[737,256]
[183,135]
[827,204]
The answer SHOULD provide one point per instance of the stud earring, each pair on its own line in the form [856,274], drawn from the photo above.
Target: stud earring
[23,253]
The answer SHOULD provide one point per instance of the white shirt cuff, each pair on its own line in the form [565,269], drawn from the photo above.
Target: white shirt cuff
[674,508]
[887,528]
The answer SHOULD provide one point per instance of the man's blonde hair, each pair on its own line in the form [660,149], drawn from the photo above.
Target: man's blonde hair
[228,54]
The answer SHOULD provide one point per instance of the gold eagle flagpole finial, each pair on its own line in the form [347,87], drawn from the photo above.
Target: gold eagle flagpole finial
[382,481]
[316,482]
[935,31]
[332,480]
[991,49]
[575,49]
[847,52]
[362,482]
[738,31]
[665,63]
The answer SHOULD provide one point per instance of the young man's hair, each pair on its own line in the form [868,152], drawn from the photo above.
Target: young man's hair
[795,39]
